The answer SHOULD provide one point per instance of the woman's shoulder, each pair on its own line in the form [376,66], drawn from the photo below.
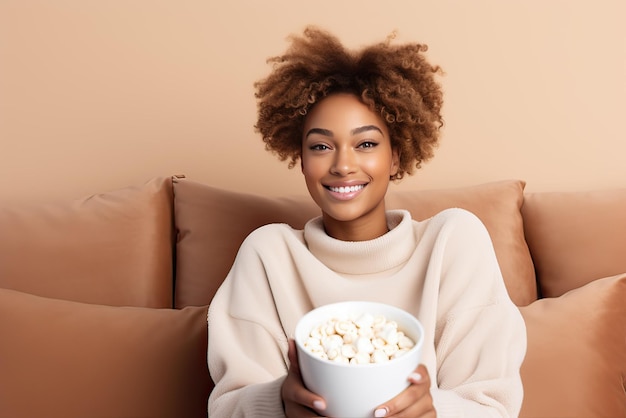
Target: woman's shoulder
[267,234]
[455,215]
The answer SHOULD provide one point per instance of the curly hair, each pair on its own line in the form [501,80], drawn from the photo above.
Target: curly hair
[395,81]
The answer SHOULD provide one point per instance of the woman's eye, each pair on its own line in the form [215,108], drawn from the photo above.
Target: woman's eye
[318,147]
[367,144]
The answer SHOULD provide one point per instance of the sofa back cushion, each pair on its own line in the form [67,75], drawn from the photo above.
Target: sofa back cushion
[575,237]
[497,205]
[68,359]
[212,223]
[112,248]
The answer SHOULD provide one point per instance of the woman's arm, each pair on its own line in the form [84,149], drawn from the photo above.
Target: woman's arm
[247,348]
[481,336]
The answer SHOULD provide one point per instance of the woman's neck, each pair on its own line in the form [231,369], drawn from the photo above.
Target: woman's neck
[365,228]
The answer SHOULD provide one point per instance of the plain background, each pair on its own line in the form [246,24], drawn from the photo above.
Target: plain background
[97,95]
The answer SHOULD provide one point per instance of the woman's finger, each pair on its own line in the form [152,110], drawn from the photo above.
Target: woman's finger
[415,401]
[298,400]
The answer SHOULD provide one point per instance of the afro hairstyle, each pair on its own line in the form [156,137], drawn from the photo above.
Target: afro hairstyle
[395,81]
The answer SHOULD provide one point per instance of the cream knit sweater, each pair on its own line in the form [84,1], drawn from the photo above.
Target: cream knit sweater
[442,270]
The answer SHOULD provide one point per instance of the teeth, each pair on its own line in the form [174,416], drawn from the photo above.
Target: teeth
[350,189]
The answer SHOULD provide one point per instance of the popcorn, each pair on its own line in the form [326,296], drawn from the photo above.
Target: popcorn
[364,345]
[379,356]
[405,342]
[332,342]
[366,339]
[345,327]
[360,358]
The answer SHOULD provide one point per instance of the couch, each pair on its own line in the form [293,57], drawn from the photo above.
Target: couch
[103,300]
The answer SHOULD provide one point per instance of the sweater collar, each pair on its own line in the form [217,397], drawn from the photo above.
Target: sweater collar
[364,257]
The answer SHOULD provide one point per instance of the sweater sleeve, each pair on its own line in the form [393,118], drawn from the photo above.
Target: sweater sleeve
[480,336]
[247,348]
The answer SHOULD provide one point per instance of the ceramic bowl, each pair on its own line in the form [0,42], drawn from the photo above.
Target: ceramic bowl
[355,390]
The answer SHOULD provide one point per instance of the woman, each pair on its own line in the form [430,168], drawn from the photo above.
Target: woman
[355,121]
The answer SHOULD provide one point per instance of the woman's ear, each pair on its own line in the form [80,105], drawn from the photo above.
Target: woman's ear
[395,162]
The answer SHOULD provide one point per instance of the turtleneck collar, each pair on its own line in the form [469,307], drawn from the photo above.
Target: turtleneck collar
[364,257]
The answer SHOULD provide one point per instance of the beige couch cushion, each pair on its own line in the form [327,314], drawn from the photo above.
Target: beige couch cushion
[575,237]
[113,248]
[73,360]
[498,205]
[575,366]
[212,223]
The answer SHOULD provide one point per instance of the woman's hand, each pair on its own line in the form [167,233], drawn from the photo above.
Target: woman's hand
[414,402]
[298,401]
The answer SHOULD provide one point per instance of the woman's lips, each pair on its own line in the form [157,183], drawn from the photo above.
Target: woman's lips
[345,192]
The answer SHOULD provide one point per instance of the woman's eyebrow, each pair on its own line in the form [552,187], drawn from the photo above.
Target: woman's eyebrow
[320,131]
[354,131]
[365,128]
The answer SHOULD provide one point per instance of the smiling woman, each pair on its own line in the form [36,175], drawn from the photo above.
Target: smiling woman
[356,120]
[347,161]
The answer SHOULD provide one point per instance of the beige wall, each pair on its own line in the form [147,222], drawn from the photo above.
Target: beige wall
[96,95]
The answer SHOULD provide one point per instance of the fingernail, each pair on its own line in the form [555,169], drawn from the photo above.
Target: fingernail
[380,412]
[319,405]
[415,377]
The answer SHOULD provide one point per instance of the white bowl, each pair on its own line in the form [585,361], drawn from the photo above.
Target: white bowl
[355,390]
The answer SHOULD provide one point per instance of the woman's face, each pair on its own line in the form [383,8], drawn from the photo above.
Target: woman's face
[347,161]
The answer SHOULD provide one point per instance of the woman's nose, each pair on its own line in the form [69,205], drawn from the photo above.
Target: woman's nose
[344,163]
